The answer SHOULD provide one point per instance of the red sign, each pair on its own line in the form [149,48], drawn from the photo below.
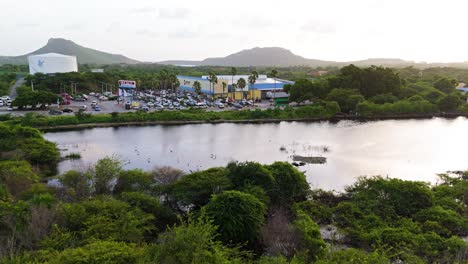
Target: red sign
[127,84]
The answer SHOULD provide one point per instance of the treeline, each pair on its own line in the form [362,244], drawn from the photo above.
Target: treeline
[242,213]
[318,111]
[147,76]
[6,80]
[377,91]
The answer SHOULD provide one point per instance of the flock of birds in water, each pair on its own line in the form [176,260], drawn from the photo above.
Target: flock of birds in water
[291,151]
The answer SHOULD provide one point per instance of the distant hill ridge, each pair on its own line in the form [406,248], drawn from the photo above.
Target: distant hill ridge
[67,47]
[268,56]
[276,56]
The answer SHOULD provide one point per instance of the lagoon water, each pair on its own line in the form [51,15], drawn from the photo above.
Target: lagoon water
[406,149]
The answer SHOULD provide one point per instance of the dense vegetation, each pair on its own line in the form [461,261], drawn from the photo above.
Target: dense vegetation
[6,80]
[364,92]
[326,110]
[378,91]
[242,213]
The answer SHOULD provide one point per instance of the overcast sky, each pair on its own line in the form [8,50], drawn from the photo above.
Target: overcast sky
[154,30]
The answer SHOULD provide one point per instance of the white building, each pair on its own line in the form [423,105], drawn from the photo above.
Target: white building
[52,63]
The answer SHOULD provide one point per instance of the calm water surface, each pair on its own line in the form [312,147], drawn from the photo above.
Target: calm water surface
[406,149]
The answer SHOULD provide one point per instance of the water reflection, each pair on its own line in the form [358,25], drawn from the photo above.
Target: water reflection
[408,149]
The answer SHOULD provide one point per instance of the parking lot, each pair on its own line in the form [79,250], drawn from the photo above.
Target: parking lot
[149,102]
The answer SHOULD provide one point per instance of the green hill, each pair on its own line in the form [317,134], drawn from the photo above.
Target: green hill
[67,47]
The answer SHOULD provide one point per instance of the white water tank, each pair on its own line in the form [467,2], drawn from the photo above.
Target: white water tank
[52,63]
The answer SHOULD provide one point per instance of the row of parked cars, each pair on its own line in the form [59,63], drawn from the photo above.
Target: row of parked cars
[5,101]
[181,99]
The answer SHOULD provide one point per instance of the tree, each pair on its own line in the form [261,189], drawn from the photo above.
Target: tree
[445,85]
[133,180]
[369,81]
[311,243]
[77,183]
[105,219]
[351,255]
[163,215]
[99,252]
[213,80]
[241,83]
[106,170]
[390,198]
[197,188]
[16,176]
[300,91]
[238,216]
[224,84]
[197,87]
[290,184]
[274,75]
[233,72]
[347,99]
[192,242]
[34,98]
[450,102]
[250,173]
[287,88]
[252,80]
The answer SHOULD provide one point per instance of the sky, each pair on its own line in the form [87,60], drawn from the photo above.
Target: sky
[155,30]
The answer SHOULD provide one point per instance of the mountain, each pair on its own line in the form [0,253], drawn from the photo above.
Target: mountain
[67,47]
[271,56]
[274,56]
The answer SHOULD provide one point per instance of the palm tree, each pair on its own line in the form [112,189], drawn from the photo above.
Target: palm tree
[241,83]
[233,90]
[252,80]
[274,74]
[197,87]
[163,77]
[174,82]
[233,72]
[213,79]
[224,86]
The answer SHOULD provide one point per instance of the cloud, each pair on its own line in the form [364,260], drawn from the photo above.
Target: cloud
[73,27]
[253,22]
[113,27]
[147,33]
[318,27]
[183,34]
[143,10]
[27,25]
[173,13]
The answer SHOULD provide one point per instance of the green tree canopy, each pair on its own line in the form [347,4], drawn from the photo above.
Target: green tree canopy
[238,216]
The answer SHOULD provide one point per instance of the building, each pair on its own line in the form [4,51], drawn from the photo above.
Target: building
[50,63]
[259,90]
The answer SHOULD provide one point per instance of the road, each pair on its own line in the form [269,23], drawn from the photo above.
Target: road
[13,88]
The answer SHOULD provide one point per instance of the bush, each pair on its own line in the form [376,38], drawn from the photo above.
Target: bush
[238,216]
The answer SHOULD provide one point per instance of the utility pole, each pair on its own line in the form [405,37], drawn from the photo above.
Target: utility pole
[32,86]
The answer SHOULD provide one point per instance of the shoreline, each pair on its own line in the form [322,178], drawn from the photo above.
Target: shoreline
[247,121]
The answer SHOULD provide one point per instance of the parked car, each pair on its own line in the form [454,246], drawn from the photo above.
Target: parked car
[237,105]
[67,110]
[93,104]
[97,108]
[83,107]
[145,108]
[55,112]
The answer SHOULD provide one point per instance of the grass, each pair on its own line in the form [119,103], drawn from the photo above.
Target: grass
[72,156]
[41,121]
